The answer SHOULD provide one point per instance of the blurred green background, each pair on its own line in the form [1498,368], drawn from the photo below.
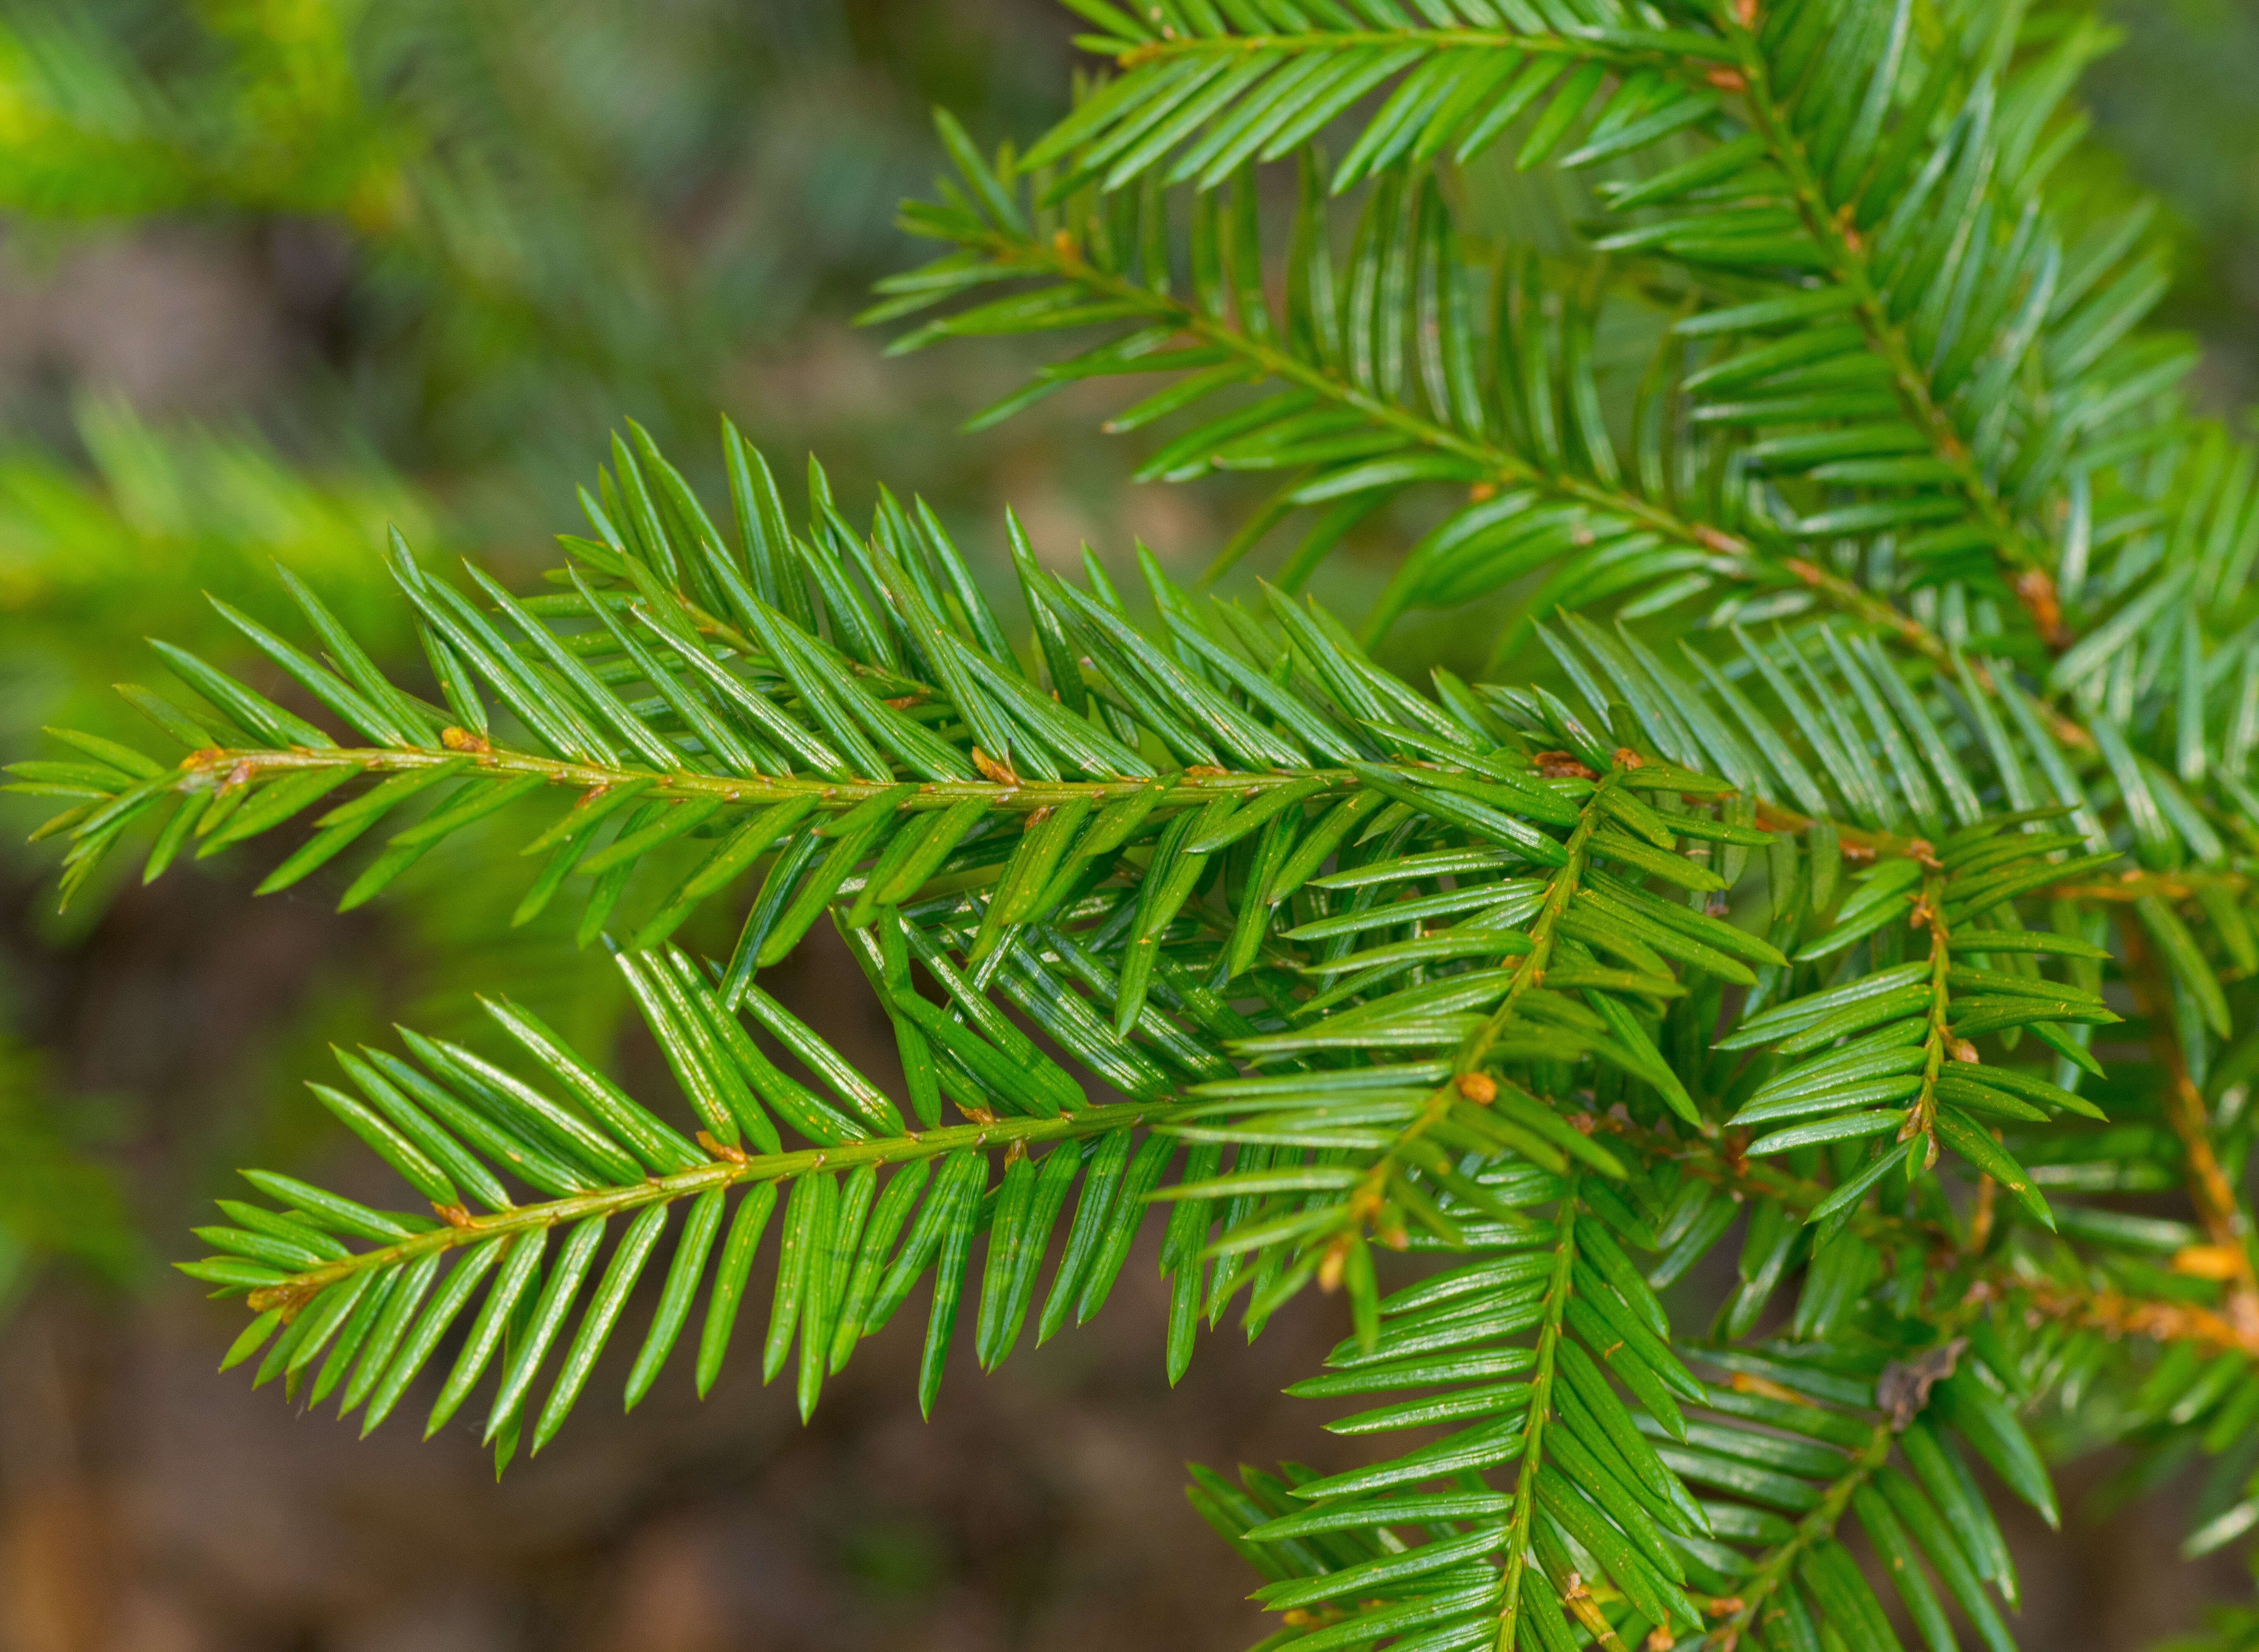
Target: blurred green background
[276,275]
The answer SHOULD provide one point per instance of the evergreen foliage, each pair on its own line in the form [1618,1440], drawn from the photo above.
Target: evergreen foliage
[1835,886]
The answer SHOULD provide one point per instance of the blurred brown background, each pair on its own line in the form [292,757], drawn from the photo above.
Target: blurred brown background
[275,273]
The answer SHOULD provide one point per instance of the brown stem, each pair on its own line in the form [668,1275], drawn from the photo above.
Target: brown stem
[2209,1188]
[1938,1044]
[1980,1218]
[1862,845]
[2115,1314]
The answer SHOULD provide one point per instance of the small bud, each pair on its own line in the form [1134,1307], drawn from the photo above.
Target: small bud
[1962,1050]
[1478,1087]
[1000,771]
[720,1149]
[458,739]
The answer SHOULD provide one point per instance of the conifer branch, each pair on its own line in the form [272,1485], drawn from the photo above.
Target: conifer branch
[1829,224]
[1533,1445]
[460,1228]
[1489,467]
[1756,1595]
[1463,969]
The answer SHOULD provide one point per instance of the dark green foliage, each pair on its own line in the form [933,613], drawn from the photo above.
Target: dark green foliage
[1869,939]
